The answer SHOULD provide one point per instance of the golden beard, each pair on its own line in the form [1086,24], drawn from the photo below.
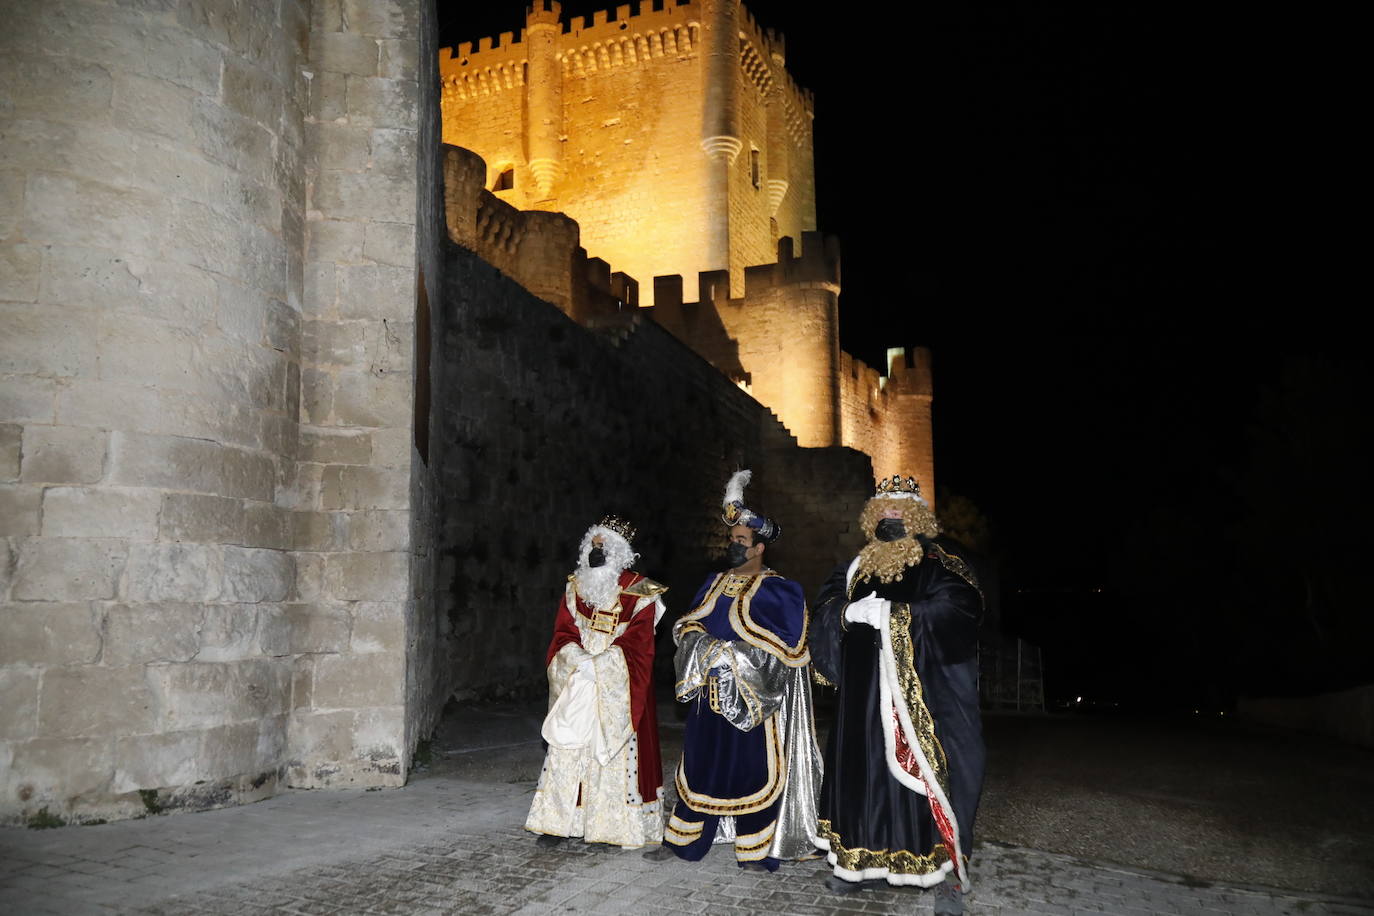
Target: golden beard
[888,560]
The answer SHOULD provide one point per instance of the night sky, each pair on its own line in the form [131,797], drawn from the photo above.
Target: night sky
[1123,231]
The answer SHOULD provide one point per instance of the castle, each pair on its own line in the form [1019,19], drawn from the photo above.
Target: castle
[679,144]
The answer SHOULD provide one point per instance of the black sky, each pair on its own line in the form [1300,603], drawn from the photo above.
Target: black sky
[1116,225]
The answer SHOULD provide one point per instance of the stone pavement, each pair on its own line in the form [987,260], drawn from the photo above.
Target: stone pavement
[454,845]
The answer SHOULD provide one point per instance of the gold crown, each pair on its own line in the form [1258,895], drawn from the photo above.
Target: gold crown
[619,526]
[896,486]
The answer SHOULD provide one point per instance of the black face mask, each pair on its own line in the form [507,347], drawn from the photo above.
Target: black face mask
[734,554]
[890,529]
[596,557]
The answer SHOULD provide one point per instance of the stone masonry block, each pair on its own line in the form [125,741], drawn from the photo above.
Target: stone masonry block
[394,244]
[352,681]
[184,758]
[40,634]
[376,291]
[190,464]
[230,632]
[382,18]
[26,399]
[321,736]
[267,525]
[201,519]
[137,634]
[208,695]
[378,626]
[334,343]
[100,513]
[46,342]
[377,102]
[68,569]
[318,531]
[257,257]
[240,28]
[344,52]
[59,209]
[252,575]
[400,58]
[11,203]
[19,510]
[97,278]
[392,447]
[10,437]
[327,446]
[247,90]
[370,399]
[345,195]
[395,152]
[18,703]
[20,268]
[318,628]
[328,96]
[54,770]
[154,106]
[171,572]
[336,240]
[59,454]
[91,701]
[30,81]
[368,576]
[378,530]
[354,487]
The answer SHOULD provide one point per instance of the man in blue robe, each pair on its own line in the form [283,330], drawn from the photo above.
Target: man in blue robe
[750,768]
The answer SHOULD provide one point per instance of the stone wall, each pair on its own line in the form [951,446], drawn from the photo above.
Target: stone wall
[542,426]
[207,229]
[354,608]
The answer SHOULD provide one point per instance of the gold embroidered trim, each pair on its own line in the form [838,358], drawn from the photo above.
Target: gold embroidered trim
[645,588]
[820,678]
[899,862]
[957,565]
[910,683]
[757,801]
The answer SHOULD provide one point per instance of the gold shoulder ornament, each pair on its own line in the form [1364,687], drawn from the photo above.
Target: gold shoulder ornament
[645,588]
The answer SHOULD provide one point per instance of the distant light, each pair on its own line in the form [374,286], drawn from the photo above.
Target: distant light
[1079,700]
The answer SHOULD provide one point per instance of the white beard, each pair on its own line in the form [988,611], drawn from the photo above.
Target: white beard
[598,585]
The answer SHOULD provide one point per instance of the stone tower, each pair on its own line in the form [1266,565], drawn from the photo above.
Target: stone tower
[675,137]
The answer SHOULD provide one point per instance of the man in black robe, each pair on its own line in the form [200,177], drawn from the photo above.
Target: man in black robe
[896,630]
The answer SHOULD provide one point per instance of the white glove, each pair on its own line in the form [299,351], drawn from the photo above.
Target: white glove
[870,609]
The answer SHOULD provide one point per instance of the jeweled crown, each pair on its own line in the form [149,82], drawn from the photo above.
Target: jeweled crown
[897,486]
[619,526]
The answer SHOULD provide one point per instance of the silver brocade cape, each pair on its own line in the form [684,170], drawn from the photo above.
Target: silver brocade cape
[752,684]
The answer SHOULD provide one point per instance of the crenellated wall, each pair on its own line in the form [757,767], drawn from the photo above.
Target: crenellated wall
[544,424]
[668,162]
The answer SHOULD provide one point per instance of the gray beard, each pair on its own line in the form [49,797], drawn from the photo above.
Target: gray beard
[598,585]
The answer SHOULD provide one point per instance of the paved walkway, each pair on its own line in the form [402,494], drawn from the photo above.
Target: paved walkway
[454,845]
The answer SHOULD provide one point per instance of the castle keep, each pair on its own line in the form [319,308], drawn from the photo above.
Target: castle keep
[677,141]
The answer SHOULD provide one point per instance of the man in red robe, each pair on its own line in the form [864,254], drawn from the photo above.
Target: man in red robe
[602,778]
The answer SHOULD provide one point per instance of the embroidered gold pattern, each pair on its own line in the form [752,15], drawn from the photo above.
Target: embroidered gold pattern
[900,861]
[910,682]
[820,678]
[756,801]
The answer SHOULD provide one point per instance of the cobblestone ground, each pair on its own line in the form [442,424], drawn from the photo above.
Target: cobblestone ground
[451,845]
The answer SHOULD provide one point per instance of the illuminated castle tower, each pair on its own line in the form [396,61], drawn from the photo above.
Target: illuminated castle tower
[675,137]
[678,143]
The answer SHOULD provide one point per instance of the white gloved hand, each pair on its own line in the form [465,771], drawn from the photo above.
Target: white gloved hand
[870,610]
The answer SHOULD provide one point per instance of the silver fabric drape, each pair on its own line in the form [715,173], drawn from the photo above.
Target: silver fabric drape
[750,685]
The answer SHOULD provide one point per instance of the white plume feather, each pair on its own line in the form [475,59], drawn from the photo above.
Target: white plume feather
[734,490]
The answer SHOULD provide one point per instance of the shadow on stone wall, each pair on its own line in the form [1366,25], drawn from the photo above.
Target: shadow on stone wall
[541,426]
